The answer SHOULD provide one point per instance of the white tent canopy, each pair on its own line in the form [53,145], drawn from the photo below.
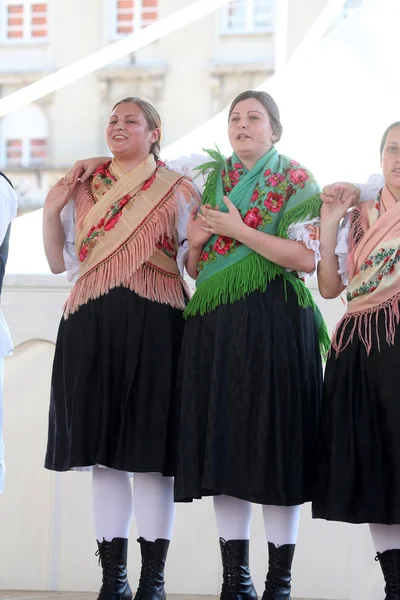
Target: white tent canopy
[336,100]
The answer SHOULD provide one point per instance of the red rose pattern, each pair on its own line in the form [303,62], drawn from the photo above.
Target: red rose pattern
[261,200]
[253,218]
[274,202]
[167,245]
[276,179]
[223,244]
[149,182]
[299,177]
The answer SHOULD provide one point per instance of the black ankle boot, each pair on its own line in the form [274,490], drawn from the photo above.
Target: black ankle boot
[113,559]
[237,583]
[277,585]
[390,565]
[151,584]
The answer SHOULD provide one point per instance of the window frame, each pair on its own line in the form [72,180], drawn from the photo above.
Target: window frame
[27,161]
[249,28]
[27,37]
[137,20]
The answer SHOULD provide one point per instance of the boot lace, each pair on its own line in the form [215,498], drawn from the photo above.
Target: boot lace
[278,580]
[391,574]
[148,575]
[104,552]
[231,575]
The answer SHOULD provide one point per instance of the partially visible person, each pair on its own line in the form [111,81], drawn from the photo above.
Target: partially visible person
[122,239]
[8,211]
[359,448]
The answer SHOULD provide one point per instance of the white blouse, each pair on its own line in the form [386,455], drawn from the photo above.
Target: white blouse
[368,191]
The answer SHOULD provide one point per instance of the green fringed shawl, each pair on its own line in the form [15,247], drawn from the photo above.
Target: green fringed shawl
[274,194]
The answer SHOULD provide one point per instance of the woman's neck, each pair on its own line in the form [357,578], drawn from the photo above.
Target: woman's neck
[395,192]
[250,161]
[130,162]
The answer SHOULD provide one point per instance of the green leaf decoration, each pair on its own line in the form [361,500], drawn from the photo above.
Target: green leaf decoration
[214,169]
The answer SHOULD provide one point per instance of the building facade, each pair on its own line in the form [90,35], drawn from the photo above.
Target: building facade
[189,75]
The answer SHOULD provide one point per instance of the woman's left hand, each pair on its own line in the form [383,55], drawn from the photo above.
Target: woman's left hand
[228,224]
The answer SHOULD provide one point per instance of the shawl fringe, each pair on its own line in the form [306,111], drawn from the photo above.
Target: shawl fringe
[308,209]
[252,273]
[129,265]
[149,281]
[363,323]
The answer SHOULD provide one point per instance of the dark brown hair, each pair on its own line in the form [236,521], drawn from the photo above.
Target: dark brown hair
[152,117]
[385,135]
[268,103]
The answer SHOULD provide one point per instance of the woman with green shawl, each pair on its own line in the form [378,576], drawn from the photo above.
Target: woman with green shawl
[250,368]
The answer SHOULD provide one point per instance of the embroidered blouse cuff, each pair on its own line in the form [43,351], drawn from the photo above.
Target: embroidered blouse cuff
[303,232]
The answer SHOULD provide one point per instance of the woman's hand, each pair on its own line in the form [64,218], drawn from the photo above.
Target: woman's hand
[228,224]
[336,204]
[83,169]
[58,196]
[196,232]
[343,191]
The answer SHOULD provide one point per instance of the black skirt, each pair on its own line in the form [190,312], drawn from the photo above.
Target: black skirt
[359,448]
[250,380]
[113,389]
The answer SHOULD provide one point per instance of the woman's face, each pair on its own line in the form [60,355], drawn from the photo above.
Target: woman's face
[249,129]
[128,133]
[391,159]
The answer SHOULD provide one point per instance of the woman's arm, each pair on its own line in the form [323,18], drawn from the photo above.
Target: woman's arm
[286,253]
[53,231]
[193,260]
[83,169]
[329,281]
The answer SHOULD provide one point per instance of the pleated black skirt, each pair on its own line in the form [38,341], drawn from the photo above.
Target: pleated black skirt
[250,382]
[359,448]
[113,389]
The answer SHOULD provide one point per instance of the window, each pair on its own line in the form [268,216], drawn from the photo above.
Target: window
[248,16]
[133,15]
[24,135]
[24,20]
[14,152]
[26,152]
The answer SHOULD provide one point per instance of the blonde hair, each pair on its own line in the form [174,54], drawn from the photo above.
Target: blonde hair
[152,117]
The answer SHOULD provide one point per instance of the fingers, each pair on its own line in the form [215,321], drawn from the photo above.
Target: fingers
[210,230]
[210,207]
[228,202]
[327,199]
[75,173]
[193,214]
[85,175]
